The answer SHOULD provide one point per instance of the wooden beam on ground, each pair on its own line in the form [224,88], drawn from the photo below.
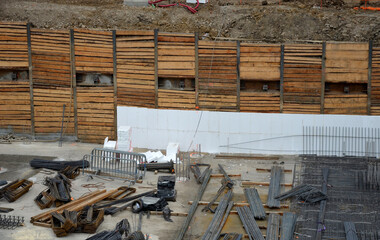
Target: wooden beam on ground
[216,175]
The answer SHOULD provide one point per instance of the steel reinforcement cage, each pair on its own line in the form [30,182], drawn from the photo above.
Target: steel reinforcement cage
[114,163]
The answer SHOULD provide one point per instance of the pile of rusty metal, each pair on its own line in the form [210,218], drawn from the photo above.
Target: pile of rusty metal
[58,192]
[14,190]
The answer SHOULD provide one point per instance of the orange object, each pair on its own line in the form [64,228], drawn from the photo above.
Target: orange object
[197,107]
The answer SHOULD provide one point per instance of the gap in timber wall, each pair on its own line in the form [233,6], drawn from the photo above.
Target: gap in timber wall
[217,76]
[14,95]
[302,78]
[347,64]
[259,66]
[375,89]
[176,60]
[135,68]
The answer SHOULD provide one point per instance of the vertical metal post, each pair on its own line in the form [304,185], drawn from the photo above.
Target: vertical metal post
[282,79]
[156,68]
[369,84]
[114,77]
[74,80]
[323,78]
[196,37]
[29,38]
[238,76]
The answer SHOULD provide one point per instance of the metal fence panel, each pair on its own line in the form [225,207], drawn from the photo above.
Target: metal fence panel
[116,163]
[341,141]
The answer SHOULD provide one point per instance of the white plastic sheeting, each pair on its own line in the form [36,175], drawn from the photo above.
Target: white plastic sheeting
[228,132]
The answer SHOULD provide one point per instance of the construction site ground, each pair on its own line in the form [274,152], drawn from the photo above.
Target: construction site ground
[15,159]
[290,21]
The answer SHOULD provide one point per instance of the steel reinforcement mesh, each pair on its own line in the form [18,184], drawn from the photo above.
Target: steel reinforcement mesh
[353,190]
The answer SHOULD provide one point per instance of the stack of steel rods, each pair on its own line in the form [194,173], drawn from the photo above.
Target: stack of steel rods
[217,234]
[233,236]
[294,192]
[273,226]
[194,206]
[349,228]
[255,203]
[217,219]
[305,193]
[274,187]
[249,223]
[288,225]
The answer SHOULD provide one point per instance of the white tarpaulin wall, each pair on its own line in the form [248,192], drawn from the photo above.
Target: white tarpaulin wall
[228,132]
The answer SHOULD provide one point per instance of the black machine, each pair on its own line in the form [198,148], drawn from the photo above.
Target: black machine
[165,188]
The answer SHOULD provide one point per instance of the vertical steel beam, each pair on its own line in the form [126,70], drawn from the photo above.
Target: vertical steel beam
[323,78]
[114,78]
[196,45]
[156,68]
[29,38]
[369,84]
[238,75]
[74,80]
[282,78]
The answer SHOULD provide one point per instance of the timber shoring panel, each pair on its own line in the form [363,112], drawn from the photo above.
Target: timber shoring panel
[48,110]
[93,51]
[15,106]
[217,76]
[176,55]
[176,59]
[302,78]
[95,113]
[13,45]
[346,63]
[375,92]
[51,57]
[260,62]
[135,68]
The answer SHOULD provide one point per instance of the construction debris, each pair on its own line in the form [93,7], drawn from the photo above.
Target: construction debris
[14,190]
[274,187]
[122,228]
[255,203]
[169,166]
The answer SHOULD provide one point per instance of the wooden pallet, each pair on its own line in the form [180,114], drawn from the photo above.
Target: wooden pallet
[13,45]
[15,106]
[302,78]
[135,68]
[51,57]
[176,55]
[375,89]
[95,108]
[48,109]
[217,76]
[93,51]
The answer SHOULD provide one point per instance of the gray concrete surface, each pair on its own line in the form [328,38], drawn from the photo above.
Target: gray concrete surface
[155,225]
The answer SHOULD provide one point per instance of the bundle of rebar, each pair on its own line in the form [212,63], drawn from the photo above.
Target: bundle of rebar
[194,206]
[273,226]
[304,192]
[232,236]
[216,221]
[274,187]
[288,225]
[199,176]
[249,223]
[350,230]
[255,203]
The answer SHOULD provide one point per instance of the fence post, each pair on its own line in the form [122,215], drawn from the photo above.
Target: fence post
[369,84]
[29,38]
[238,76]
[114,84]
[156,68]
[323,78]
[282,78]
[74,80]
